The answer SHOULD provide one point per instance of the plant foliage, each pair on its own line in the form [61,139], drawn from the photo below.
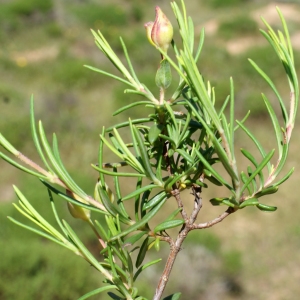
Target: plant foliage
[182,143]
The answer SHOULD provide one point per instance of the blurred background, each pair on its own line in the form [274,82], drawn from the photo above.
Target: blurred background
[44,45]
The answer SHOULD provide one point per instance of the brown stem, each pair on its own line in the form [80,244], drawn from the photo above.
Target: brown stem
[187,227]
[215,221]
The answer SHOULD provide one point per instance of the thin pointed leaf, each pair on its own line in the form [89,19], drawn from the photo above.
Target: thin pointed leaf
[73,201]
[173,297]
[22,168]
[273,87]
[145,158]
[231,120]
[140,224]
[60,171]
[35,136]
[167,225]
[43,234]
[140,191]
[267,208]
[143,267]
[154,200]
[109,75]
[286,177]
[142,253]
[87,254]
[259,168]
[126,107]
[125,124]
[253,160]
[277,128]
[113,210]
[212,170]
[249,202]
[97,291]
[134,238]
[120,174]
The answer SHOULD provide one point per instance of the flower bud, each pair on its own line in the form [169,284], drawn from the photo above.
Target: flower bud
[76,211]
[160,33]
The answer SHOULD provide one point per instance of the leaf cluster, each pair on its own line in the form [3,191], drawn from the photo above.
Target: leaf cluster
[180,145]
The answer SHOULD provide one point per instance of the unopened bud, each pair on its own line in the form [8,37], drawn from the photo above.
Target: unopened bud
[160,33]
[76,211]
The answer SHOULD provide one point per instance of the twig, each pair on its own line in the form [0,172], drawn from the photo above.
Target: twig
[215,221]
[189,225]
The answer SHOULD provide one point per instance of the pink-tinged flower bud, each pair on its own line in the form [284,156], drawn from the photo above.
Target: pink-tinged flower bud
[160,33]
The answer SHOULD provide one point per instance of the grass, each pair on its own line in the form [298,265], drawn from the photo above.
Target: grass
[250,245]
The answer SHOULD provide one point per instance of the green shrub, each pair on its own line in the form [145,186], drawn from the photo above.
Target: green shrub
[225,3]
[238,26]
[28,7]
[95,15]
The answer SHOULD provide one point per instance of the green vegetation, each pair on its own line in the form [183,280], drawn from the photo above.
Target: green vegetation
[42,55]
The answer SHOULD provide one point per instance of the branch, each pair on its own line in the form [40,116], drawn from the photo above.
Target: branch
[215,221]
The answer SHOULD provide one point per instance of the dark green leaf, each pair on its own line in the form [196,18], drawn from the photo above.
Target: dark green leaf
[249,202]
[140,224]
[167,225]
[173,297]
[142,252]
[154,132]
[266,208]
[97,291]
[134,238]
[154,200]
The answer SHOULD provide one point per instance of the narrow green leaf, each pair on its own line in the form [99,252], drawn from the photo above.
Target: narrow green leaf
[244,179]
[167,225]
[259,168]
[126,107]
[267,191]
[140,224]
[22,168]
[45,235]
[145,158]
[85,251]
[97,291]
[143,267]
[231,120]
[154,132]
[112,209]
[248,155]
[212,170]
[266,208]
[275,122]
[129,61]
[174,214]
[155,200]
[60,171]
[286,177]
[120,174]
[140,191]
[175,296]
[73,201]
[125,124]
[35,136]
[255,141]
[142,252]
[8,146]
[134,238]
[109,75]
[249,202]
[185,155]
[271,84]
